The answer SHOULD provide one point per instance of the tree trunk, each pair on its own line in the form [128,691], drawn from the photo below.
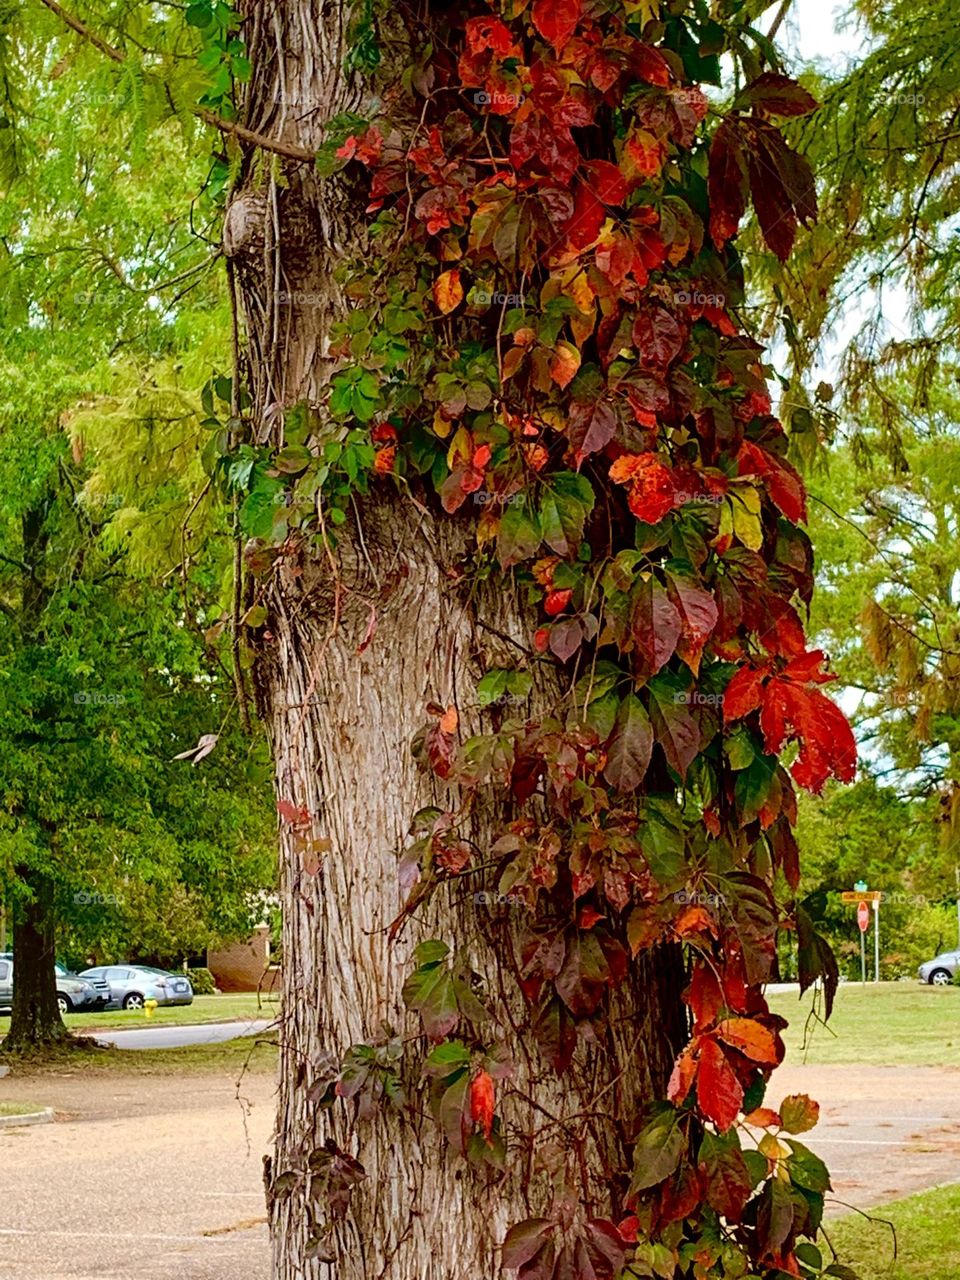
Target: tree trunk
[35,1021]
[341,716]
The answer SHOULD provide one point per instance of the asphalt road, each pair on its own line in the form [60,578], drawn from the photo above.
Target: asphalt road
[176,1037]
[159,1178]
[140,1178]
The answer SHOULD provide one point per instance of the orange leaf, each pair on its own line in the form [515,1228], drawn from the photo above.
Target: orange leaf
[481,1102]
[694,919]
[449,720]
[681,1078]
[763,1118]
[751,1038]
[448,291]
[564,363]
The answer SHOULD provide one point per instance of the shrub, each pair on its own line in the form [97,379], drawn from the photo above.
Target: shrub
[203,982]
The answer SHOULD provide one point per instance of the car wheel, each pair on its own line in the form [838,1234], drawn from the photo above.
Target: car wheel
[133,1001]
[940,978]
[63,1004]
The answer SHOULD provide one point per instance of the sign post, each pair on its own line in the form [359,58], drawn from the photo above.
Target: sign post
[863,919]
[862,896]
[876,939]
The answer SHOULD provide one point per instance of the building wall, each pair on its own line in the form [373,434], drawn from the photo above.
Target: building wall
[242,965]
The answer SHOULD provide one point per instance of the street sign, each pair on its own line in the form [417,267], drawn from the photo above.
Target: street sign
[863,917]
[875,895]
[861,886]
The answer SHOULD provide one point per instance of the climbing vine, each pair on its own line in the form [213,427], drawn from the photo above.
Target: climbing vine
[546,339]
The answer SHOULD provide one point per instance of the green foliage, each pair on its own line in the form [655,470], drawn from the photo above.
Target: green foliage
[110,563]
[202,981]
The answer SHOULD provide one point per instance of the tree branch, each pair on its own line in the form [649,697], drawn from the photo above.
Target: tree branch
[251,136]
[91,36]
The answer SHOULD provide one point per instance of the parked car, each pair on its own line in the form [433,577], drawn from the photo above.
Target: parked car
[74,993]
[941,970]
[131,985]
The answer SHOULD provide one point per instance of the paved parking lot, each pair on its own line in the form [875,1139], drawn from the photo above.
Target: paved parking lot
[155,1178]
[140,1178]
[884,1132]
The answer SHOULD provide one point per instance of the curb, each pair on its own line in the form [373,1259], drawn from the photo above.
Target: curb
[30,1117]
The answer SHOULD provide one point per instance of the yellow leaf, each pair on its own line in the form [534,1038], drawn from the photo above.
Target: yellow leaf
[746,523]
[564,363]
[448,291]
[645,10]
[459,448]
[441,425]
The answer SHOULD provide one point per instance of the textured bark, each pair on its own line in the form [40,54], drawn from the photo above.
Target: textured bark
[35,1021]
[341,723]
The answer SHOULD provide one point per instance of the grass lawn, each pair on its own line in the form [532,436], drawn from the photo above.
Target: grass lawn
[928,1238]
[890,1024]
[256,1054]
[19,1108]
[204,1009]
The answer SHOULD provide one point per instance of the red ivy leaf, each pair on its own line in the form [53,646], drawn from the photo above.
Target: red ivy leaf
[654,625]
[482,1102]
[296,815]
[591,427]
[556,20]
[827,744]
[630,746]
[775,212]
[587,218]
[751,1038]
[719,1092]
[653,493]
[658,337]
[682,1077]
[698,617]
[777,95]
[525,1240]
[727,183]
[783,482]
[726,1179]
[744,693]
[607,181]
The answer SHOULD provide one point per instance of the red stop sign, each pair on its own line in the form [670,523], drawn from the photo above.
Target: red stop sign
[863,916]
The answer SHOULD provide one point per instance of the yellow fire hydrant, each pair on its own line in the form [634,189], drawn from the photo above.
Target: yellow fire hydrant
[148,1007]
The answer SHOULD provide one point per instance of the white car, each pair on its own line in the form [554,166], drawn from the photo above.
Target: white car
[941,970]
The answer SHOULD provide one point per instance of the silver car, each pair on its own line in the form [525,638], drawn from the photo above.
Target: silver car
[132,985]
[941,970]
[74,994]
